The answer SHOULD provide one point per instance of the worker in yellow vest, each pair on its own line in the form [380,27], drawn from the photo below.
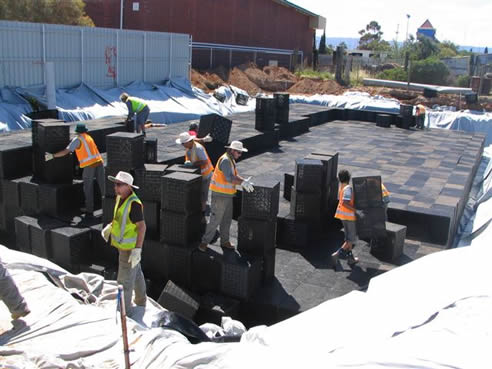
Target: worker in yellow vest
[90,160]
[346,213]
[386,200]
[196,156]
[223,187]
[138,112]
[127,233]
[420,116]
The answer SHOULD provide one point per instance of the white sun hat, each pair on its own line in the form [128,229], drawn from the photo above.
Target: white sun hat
[123,177]
[184,138]
[237,145]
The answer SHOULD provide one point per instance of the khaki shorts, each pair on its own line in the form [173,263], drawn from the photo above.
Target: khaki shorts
[349,230]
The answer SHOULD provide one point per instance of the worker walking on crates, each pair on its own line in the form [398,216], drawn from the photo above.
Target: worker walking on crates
[346,213]
[223,187]
[127,233]
[10,295]
[420,116]
[138,112]
[196,156]
[90,160]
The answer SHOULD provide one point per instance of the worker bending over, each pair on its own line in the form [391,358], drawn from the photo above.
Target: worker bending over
[138,112]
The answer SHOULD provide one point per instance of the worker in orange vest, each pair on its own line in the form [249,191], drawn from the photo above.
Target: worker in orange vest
[196,156]
[223,187]
[420,116]
[346,213]
[90,161]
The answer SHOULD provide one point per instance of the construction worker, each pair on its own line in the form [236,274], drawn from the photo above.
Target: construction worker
[196,156]
[386,200]
[138,112]
[193,129]
[10,295]
[346,213]
[90,160]
[223,187]
[127,233]
[420,116]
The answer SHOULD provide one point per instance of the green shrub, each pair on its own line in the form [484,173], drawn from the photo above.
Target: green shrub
[430,71]
[395,74]
[463,81]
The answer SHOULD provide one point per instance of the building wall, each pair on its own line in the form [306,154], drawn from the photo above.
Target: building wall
[259,23]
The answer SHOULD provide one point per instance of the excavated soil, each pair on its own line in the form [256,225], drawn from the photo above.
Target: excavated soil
[254,80]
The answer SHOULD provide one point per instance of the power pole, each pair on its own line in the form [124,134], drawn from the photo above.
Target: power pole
[408,20]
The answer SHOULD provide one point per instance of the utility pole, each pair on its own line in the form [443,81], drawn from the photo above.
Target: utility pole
[121,14]
[408,20]
[397,32]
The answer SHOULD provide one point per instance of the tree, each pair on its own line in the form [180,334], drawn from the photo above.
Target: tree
[371,38]
[322,44]
[315,52]
[69,12]
[447,49]
[486,51]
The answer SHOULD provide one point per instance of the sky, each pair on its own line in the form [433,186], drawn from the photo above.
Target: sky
[464,22]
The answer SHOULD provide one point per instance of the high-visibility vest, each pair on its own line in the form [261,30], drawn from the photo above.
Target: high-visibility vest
[137,104]
[123,230]
[385,193]
[206,168]
[344,213]
[219,182]
[420,109]
[87,153]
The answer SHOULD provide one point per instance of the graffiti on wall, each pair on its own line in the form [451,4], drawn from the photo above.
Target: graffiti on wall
[110,60]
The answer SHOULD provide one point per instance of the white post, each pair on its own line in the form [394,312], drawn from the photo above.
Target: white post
[170,54]
[121,14]
[49,77]
[145,56]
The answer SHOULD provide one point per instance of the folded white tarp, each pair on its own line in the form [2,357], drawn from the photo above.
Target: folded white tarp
[416,86]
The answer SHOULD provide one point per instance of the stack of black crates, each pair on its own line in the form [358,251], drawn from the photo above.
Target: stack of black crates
[181,225]
[369,203]
[219,128]
[406,116]
[282,107]
[265,114]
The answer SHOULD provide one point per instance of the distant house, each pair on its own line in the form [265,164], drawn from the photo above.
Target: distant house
[427,30]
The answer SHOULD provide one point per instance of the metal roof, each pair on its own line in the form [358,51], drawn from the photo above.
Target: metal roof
[296,7]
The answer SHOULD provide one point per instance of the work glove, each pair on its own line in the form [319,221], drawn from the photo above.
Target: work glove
[48,156]
[106,232]
[135,256]
[207,138]
[188,164]
[247,185]
[360,214]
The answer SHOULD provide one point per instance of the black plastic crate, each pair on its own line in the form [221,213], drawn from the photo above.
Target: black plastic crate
[281,100]
[179,264]
[22,234]
[216,126]
[180,229]
[383,120]
[103,252]
[71,247]
[59,200]
[367,192]
[237,204]
[40,235]
[269,266]
[150,187]
[11,192]
[152,212]
[125,150]
[332,158]
[52,137]
[406,110]
[214,307]
[207,270]
[265,113]
[242,99]
[241,276]
[150,150]
[390,248]
[183,169]
[181,192]
[305,206]
[55,171]
[407,122]
[15,160]
[108,209]
[288,183]
[29,196]
[263,202]
[154,260]
[292,233]
[308,177]
[370,223]
[177,299]
[7,216]
[256,234]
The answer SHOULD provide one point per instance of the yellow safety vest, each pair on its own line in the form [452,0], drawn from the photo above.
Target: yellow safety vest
[344,213]
[207,168]
[123,230]
[385,192]
[219,182]
[137,104]
[87,153]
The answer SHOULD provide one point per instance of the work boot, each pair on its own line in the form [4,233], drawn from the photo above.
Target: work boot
[20,314]
[203,247]
[227,245]
[334,258]
[351,259]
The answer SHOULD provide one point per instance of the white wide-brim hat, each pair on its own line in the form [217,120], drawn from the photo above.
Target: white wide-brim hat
[237,145]
[123,177]
[184,138]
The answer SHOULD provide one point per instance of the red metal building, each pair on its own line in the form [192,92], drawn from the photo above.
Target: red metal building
[275,24]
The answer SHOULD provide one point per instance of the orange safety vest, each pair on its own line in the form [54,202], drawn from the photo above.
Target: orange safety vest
[344,213]
[207,168]
[385,191]
[87,153]
[420,110]
[219,182]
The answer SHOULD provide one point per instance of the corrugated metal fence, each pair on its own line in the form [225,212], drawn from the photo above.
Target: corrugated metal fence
[100,57]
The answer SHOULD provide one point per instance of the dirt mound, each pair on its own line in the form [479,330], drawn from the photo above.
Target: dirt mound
[239,79]
[316,86]
[270,78]
[280,74]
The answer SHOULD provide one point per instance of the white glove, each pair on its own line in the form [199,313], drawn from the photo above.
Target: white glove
[106,232]
[207,138]
[247,185]
[188,164]
[135,257]
[48,156]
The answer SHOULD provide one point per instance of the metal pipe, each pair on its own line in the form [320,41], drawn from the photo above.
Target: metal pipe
[121,14]
[415,86]
[145,56]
